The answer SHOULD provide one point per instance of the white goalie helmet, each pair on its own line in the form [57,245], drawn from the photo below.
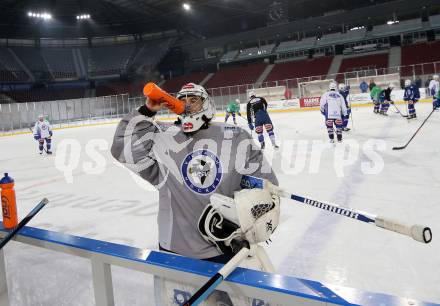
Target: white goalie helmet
[341,86]
[407,82]
[391,85]
[193,120]
[332,86]
[435,77]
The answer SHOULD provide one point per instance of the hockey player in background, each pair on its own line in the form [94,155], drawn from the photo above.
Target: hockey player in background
[187,164]
[385,99]
[374,94]
[434,87]
[232,109]
[257,112]
[344,90]
[411,96]
[436,103]
[43,132]
[333,107]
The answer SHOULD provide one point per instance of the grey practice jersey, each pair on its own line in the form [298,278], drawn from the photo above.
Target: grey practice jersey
[187,169]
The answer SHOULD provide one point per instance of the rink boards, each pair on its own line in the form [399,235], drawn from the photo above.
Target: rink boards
[90,123]
[274,288]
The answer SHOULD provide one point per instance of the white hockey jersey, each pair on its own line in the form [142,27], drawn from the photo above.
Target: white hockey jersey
[42,129]
[333,105]
[433,87]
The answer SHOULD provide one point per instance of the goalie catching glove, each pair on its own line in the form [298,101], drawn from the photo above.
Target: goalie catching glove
[251,216]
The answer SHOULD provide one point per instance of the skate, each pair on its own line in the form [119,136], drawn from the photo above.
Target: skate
[49,152]
[339,140]
[376,111]
[263,145]
[41,152]
[276,147]
[346,129]
[332,141]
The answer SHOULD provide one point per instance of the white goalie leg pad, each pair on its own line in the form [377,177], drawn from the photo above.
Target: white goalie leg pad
[169,292]
[259,261]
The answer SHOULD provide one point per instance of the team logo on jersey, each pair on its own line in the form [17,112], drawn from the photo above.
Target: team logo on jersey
[202,171]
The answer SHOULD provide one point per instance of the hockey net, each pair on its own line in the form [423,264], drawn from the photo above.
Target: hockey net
[313,88]
[380,80]
[269,93]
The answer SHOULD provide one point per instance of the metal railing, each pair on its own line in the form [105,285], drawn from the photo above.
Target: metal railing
[102,256]
[61,113]
[423,71]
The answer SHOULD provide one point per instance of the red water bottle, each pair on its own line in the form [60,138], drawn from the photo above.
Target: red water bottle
[9,205]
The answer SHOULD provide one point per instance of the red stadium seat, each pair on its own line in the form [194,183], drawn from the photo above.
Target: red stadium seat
[367,62]
[173,85]
[418,54]
[236,75]
[301,68]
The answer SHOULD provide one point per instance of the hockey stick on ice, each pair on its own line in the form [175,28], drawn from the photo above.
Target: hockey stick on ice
[403,147]
[214,281]
[417,232]
[398,110]
[23,222]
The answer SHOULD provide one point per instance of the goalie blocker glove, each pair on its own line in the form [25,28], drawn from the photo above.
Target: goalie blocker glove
[251,217]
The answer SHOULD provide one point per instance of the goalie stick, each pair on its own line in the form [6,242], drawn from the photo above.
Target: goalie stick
[404,146]
[215,280]
[23,222]
[417,232]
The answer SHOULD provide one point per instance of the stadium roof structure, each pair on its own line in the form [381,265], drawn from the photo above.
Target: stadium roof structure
[206,18]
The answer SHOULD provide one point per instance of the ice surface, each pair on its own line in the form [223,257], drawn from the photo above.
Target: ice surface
[104,201]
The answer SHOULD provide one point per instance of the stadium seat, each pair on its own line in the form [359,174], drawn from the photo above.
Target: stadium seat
[60,62]
[108,60]
[10,69]
[149,55]
[174,84]
[236,75]
[418,54]
[300,68]
[363,63]
[34,61]
[36,95]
